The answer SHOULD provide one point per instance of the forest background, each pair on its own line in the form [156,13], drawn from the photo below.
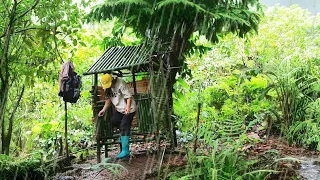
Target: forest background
[269,78]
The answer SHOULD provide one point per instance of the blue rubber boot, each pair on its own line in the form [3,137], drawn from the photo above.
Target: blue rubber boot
[125,147]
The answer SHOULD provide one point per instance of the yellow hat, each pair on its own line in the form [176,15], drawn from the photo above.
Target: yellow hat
[106,81]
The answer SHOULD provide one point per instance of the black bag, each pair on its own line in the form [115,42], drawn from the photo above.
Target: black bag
[71,89]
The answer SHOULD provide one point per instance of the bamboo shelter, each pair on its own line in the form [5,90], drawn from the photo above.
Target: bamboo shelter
[152,94]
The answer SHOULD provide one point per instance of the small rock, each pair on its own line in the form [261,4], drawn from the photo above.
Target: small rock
[317,163]
[65,178]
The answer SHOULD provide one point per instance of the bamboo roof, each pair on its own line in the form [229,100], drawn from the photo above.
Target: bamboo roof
[133,58]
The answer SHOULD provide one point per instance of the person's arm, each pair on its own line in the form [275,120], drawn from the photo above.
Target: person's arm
[105,107]
[127,111]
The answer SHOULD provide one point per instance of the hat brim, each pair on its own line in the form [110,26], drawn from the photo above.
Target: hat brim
[106,85]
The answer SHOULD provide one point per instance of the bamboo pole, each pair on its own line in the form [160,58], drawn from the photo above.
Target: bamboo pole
[198,119]
[66,131]
[134,83]
[97,118]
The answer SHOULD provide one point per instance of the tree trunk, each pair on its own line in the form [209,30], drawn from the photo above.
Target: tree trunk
[178,46]
[167,79]
[4,71]
[7,142]
[4,98]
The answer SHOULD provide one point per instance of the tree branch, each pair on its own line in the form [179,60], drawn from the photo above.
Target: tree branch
[55,40]
[1,76]
[35,28]
[19,2]
[9,134]
[31,28]
[8,33]
[4,4]
[28,10]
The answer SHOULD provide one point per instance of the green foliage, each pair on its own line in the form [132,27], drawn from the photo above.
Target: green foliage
[30,168]
[215,96]
[39,122]
[287,33]
[162,13]
[174,21]
[271,74]
[241,82]
[295,90]
[35,36]
[220,164]
[120,36]
[287,47]
[307,133]
[42,122]
[235,98]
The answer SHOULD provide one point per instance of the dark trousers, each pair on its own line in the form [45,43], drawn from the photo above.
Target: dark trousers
[122,122]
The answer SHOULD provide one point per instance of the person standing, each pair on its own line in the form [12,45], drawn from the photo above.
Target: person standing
[117,93]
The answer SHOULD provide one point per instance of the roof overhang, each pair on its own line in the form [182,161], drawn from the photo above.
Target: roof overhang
[133,58]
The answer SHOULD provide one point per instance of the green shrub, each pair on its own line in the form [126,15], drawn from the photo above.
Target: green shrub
[32,168]
[223,164]
[215,96]
[308,132]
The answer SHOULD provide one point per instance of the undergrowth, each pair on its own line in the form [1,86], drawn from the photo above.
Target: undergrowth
[32,168]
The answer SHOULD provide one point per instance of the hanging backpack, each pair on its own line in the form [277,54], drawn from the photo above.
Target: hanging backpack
[70,83]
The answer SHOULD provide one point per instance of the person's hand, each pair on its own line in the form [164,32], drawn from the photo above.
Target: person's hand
[127,111]
[101,113]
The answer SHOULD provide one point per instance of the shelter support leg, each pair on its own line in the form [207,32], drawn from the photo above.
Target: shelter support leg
[174,135]
[106,151]
[98,151]
[158,143]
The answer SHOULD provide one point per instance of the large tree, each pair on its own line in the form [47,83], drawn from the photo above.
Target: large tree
[174,21]
[170,24]
[31,32]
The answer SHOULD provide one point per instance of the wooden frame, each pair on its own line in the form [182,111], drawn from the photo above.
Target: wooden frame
[150,118]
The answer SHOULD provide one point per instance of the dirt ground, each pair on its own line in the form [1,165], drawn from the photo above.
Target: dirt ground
[139,166]
[282,146]
[304,164]
[142,166]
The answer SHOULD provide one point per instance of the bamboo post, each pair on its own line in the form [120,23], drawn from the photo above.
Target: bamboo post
[153,106]
[170,110]
[97,117]
[66,131]
[134,82]
[197,128]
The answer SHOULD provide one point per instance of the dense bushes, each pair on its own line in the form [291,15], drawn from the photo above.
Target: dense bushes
[231,98]
[32,168]
[268,81]
[218,164]
[308,132]
[272,78]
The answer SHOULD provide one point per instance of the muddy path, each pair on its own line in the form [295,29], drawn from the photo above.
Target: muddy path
[140,166]
[303,163]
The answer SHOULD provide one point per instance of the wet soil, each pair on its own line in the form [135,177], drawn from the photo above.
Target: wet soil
[139,166]
[301,163]
[142,165]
